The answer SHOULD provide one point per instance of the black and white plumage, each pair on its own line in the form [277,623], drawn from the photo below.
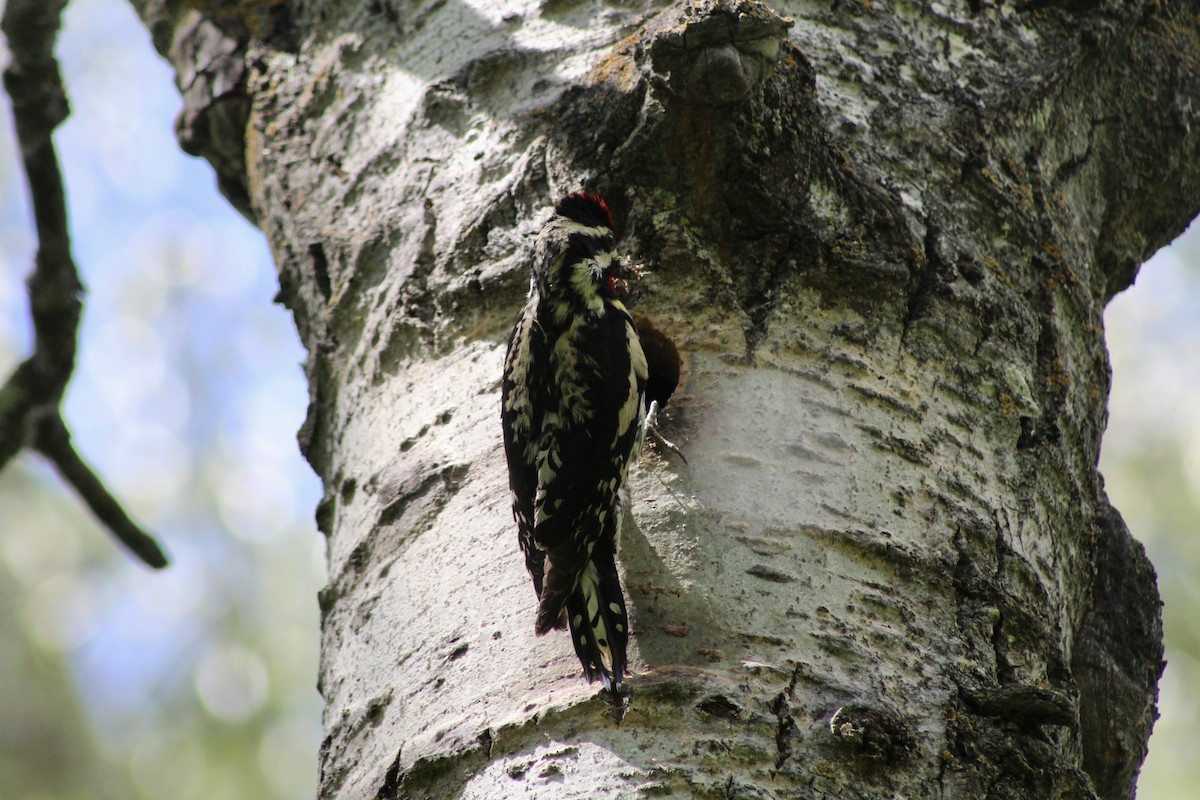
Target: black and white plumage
[572,410]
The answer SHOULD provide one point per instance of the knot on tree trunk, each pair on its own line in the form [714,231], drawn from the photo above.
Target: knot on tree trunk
[717,53]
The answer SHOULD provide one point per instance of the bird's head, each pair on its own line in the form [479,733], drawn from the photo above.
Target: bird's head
[576,269]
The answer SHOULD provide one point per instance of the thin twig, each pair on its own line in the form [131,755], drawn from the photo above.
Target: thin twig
[30,399]
[54,441]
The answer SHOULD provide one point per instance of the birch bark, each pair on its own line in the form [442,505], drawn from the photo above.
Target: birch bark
[881,233]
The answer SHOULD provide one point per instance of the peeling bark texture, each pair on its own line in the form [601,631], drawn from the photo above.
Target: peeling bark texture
[882,234]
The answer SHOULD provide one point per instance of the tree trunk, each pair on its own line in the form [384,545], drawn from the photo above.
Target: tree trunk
[882,236]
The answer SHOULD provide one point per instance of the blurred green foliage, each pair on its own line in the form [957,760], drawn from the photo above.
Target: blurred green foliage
[1151,464]
[199,681]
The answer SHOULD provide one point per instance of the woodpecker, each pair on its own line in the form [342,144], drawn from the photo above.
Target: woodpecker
[572,404]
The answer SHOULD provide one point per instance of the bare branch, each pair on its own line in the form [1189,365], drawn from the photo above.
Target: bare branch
[54,441]
[30,399]
[39,105]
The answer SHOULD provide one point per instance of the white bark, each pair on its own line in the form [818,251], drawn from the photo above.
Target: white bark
[882,237]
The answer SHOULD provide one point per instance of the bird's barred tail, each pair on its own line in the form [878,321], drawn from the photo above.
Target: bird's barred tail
[599,623]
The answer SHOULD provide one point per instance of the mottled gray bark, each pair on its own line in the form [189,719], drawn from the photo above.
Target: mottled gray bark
[882,234]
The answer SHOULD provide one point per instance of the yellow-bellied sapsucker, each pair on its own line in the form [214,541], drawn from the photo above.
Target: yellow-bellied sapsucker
[572,409]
